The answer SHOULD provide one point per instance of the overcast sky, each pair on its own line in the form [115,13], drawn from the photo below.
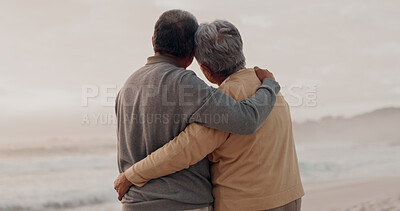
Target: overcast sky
[346,51]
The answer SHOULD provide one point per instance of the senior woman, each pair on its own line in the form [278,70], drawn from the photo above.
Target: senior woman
[249,172]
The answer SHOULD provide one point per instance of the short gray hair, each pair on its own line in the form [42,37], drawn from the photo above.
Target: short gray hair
[174,33]
[219,46]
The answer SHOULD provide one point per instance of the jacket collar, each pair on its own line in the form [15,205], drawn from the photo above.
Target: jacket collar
[162,59]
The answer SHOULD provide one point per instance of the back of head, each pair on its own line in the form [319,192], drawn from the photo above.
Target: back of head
[219,46]
[174,33]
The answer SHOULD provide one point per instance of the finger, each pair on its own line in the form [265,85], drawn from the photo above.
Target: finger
[120,195]
[256,68]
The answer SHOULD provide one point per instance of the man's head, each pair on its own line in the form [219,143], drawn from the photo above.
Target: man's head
[174,33]
[219,49]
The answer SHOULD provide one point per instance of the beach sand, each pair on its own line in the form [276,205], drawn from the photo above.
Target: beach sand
[379,194]
[353,195]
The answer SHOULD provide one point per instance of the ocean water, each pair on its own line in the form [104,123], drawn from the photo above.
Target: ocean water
[66,179]
[80,175]
[339,160]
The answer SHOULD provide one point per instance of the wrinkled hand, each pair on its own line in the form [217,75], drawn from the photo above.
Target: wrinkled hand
[263,74]
[122,185]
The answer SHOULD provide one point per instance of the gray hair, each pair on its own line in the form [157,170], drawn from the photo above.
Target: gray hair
[219,46]
[174,33]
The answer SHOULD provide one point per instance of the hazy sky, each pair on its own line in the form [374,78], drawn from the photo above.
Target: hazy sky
[346,51]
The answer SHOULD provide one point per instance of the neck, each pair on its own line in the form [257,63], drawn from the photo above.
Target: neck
[181,61]
[219,80]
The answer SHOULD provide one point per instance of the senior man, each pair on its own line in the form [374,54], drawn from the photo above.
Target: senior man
[160,99]
[249,172]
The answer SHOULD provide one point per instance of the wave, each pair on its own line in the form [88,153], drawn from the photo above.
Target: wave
[56,205]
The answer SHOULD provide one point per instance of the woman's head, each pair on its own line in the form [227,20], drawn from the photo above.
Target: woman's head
[219,47]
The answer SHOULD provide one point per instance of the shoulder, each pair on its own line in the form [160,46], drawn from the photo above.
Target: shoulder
[189,77]
[233,89]
[241,86]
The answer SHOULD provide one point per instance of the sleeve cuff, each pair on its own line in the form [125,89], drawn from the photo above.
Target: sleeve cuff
[134,178]
[271,84]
